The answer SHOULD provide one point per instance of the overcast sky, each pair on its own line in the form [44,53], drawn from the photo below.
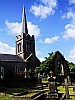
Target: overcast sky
[51,21]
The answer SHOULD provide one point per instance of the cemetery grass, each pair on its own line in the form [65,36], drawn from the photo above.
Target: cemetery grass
[6,97]
[61,89]
[71,92]
[10,91]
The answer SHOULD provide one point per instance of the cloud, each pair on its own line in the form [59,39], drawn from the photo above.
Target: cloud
[71,15]
[69,28]
[45,8]
[14,28]
[6,49]
[72,1]
[51,40]
[41,59]
[69,31]
[38,52]
[72,55]
[33,29]
[1,30]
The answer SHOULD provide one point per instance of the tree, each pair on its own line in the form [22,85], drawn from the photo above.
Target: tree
[46,65]
[49,64]
[72,70]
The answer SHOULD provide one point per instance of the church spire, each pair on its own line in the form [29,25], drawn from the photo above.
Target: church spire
[24,23]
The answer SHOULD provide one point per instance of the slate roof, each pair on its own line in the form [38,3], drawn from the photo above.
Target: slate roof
[10,57]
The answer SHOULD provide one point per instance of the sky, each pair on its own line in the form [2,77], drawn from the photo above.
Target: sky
[51,21]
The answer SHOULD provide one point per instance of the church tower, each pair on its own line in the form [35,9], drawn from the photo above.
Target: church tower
[25,44]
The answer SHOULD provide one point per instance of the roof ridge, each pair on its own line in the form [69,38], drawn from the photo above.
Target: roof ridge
[7,54]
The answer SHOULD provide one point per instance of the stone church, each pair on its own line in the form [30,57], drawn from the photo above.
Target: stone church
[13,66]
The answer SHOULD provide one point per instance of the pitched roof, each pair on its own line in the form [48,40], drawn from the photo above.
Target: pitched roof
[55,53]
[10,57]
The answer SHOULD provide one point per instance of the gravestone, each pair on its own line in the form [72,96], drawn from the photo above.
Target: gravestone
[25,71]
[74,88]
[52,86]
[66,88]
[39,78]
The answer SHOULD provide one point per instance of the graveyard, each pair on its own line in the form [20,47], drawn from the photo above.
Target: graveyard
[24,77]
[52,82]
[14,93]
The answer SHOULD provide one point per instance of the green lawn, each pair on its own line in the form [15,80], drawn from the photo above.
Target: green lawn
[71,92]
[62,90]
[10,91]
[6,97]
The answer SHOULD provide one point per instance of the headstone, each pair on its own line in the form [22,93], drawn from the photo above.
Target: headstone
[74,88]
[25,71]
[39,78]
[66,88]
[43,77]
[52,86]
[62,69]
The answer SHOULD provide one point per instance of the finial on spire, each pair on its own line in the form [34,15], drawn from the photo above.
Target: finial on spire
[24,22]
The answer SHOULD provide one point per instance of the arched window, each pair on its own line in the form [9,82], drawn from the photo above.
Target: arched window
[62,69]
[2,72]
[25,71]
[16,70]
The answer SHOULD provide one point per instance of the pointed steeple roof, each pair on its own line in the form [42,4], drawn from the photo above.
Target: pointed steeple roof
[24,22]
